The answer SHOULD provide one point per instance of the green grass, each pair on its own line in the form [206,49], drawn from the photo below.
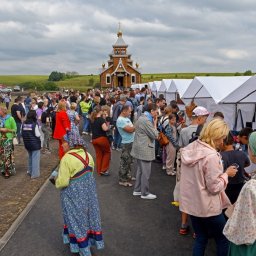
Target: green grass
[159,77]
[80,82]
[17,79]
[83,82]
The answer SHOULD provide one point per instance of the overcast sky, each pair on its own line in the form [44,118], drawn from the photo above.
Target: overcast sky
[38,37]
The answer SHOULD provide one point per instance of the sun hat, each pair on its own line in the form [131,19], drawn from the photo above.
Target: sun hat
[200,111]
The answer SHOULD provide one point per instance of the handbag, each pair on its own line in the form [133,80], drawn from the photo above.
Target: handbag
[15,141]
[163,139]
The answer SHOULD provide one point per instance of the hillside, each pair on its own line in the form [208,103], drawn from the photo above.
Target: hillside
[82,82]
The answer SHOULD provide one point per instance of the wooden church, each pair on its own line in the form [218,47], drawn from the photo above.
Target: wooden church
[119,71]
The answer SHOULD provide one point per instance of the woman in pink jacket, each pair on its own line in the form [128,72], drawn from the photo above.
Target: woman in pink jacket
[202,186]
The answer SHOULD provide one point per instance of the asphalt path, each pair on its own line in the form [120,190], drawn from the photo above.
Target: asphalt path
[132,226]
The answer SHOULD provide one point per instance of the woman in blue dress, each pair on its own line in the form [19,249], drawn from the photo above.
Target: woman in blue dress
[80,207]
[74,118]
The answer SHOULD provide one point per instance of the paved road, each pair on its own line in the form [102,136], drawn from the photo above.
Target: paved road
[132,226]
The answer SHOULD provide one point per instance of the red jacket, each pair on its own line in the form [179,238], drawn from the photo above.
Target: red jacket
[62,125]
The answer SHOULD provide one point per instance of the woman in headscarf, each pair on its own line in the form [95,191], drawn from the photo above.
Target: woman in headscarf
[80,207]
[240,229]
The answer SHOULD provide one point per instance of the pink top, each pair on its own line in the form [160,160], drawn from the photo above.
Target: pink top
[202,181]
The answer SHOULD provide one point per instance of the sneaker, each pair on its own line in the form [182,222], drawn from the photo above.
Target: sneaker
[184,231]
[133,178]
[173,173]
[113,148]
[105,173]
[164,167]
[149,196]
[135,193]
[118,149]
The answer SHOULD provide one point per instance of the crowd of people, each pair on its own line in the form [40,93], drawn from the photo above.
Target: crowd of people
[206,157]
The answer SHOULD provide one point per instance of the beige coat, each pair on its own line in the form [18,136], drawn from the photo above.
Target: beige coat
[143,147]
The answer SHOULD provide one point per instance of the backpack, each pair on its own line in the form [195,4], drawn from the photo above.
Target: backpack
[196,134]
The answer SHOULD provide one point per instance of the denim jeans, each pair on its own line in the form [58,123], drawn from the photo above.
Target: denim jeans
[18,124]
[209,227]
[34,163]
[86,122]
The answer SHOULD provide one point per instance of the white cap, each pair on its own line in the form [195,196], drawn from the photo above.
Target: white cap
[200,111]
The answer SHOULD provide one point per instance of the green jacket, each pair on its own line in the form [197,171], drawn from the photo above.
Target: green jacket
[85,106]
[10,123]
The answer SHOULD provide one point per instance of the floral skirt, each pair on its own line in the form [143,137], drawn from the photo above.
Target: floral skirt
[7,165]
[80,208]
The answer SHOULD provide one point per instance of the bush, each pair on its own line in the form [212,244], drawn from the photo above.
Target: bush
[40,86]
[56,76]
[50,86]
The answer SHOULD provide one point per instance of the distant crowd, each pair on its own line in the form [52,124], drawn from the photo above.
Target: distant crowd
[213,189]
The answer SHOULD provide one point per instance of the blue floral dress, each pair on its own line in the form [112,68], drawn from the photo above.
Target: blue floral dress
[74,134]
[81,214]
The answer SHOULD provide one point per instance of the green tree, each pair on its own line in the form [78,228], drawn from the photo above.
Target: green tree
[56,76]
[248,73]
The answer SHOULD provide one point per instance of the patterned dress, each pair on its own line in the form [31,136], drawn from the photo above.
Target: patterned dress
[7,166]
[74,134]
[80,208]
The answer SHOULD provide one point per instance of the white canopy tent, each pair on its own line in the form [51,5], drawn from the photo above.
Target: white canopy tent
[210,91]
[138,86]
[177,86]
[165,83]
[244,98]
[155,87]
[150,85]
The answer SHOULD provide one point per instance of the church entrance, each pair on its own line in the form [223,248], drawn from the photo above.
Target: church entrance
[120,81]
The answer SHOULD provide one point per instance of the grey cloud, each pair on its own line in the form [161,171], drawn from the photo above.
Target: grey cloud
[163,36]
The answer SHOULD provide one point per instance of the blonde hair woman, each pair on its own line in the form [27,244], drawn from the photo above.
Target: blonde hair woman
[202,186]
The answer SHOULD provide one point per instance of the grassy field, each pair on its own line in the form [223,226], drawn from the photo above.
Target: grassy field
[82,82]
[18,79]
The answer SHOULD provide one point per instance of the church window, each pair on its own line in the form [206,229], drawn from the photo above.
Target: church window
[108,79]
[133,79]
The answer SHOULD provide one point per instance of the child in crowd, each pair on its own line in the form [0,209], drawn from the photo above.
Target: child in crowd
[171,133]
[231,157]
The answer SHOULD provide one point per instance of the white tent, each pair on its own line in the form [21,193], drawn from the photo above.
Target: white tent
[138,86]
[165,83]
[135,86]
[177,86]
[246,93]
[155,87]
[244,98]
[210,91]
[150,85]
